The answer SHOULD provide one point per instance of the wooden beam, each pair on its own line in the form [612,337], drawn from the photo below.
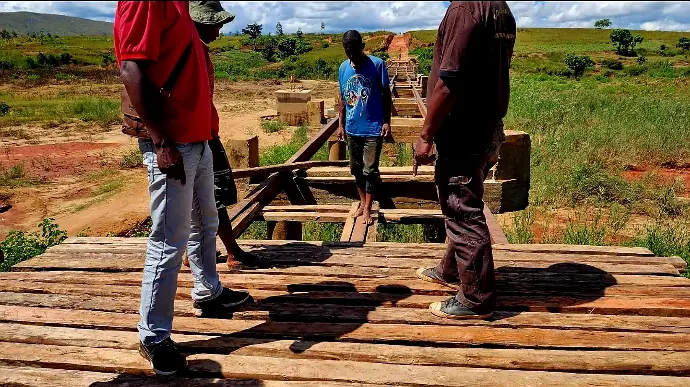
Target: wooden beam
[497,235]
[312,146]
[267,170]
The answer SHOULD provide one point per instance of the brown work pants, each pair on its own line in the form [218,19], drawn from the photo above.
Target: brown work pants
[468,258]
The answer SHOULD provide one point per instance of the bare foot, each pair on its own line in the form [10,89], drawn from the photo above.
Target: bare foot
[360,210]
[366,218]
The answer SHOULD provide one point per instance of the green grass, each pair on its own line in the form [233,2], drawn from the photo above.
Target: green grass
[59,109]
[133,159]
[19,246]
[15,177]
[666,240]
[105,190]
[577,123]
[271,126]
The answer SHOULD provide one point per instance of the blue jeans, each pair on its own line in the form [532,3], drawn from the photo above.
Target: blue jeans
[173,208]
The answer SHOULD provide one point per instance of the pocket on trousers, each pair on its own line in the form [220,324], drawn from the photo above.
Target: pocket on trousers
[460,201]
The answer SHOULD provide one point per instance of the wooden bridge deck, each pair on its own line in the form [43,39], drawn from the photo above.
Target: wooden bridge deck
[341,314]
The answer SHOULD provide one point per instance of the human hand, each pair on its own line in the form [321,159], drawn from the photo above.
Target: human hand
[421,154]
[386,130]
[340,133]
[170,163]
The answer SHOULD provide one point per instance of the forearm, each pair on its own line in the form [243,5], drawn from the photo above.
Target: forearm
[439,106]
[341,112]
[387,104]
[144,97]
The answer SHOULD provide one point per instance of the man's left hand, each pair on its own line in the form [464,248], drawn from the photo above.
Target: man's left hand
[386,130]
[421,154]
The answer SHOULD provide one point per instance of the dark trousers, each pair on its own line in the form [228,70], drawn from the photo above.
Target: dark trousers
[468,258]
[365,153]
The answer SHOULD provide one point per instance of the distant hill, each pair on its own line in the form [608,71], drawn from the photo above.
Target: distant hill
[25,23]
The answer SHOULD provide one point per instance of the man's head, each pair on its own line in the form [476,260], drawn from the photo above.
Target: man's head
[209,17]
[354,46]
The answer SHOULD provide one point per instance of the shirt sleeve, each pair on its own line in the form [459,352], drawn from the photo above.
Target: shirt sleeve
[385,82]
[139,28]
[460,24]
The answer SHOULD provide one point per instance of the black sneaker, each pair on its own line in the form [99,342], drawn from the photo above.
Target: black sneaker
[164,357]
[221,305]
[452,308]
[430,275]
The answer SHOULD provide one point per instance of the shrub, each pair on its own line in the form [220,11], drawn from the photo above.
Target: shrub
[578,64]
[635,70]
[20,246]
[624,41]
[641,60]
[4,108]
[612,64]
[6,65]
[662,47]
[683,43]
[273,126]
[107,59]
[425,57]
[382,54]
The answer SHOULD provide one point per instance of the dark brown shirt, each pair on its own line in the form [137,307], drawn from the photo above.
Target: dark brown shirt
[472,55]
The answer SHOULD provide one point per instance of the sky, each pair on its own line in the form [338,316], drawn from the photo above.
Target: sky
[398,16]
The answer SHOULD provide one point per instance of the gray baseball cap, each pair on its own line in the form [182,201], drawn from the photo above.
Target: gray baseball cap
[209,12]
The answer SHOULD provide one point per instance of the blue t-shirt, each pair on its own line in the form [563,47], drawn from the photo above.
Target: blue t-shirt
[362,91]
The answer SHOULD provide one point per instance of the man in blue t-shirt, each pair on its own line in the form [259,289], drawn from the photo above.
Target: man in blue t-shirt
[365,115]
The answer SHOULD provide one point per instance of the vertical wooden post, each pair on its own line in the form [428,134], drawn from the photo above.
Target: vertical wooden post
[336,150]
[284,230]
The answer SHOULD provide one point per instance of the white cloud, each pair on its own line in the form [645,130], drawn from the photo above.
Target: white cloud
[400,16]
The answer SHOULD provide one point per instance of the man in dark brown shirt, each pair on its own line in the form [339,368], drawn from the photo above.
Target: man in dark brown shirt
[467,99]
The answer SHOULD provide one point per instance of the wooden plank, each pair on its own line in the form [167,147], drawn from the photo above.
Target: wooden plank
[262,195]
[344,172]
[647,362]
[63,295]
[391,250]
[266,170]
[283,282]
[52,377]
[531,248]
[276,282]
[238,366]
[284,216]
[495,229]
[349,223]
[373,277]
[241,223]
[58,262]
[576,249]
[343,314]
[310,208]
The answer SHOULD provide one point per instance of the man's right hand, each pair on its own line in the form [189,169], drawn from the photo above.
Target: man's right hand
[170,163]
[340,133]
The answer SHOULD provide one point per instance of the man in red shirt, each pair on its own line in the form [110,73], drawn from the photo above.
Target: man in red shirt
[151,39]
[468,95]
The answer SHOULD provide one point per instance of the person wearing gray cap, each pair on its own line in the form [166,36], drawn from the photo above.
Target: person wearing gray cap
[166,90]
[209,17]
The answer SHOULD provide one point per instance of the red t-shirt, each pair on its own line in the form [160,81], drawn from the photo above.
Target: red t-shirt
[159,31]
[215,121]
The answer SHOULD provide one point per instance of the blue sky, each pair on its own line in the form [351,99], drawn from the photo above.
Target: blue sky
[395,16]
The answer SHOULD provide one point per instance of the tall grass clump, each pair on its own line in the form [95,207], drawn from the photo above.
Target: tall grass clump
[19,246]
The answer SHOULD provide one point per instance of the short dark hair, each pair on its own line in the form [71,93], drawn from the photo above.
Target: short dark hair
[352,37]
